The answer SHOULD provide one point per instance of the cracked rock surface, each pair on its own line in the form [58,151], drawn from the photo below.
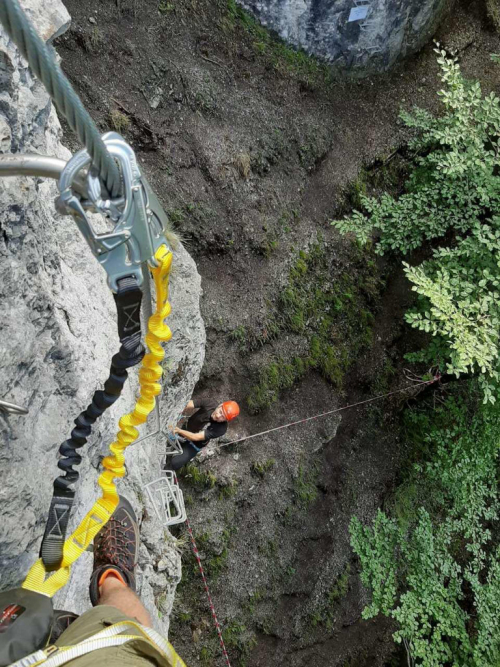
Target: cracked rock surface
[57,337]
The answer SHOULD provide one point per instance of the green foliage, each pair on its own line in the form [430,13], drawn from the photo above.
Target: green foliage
[166,7]
[453,194]
[254,599]
[184,617]
[436,570]
[329,311]
[119,121]
[236,636]
[176,216]
[207,655]
[382,381]
[197,478]
[325,615]
[93,42]
[227,489]
[305,490]
[216,550]
[493,7]
[261,468]
[357,189]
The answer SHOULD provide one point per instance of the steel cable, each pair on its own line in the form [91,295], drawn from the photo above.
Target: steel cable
[42,62]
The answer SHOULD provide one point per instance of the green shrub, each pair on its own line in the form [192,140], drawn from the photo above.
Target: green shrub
[453,194]
[200,479]
[305,490]
[435,570]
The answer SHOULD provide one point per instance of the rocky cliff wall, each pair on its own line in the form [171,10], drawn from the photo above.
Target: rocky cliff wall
[356,35]
[57,336]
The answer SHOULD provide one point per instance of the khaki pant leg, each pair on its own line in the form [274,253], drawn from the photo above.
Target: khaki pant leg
[128,655]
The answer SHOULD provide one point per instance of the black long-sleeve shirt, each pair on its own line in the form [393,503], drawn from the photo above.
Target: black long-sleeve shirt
[201,421]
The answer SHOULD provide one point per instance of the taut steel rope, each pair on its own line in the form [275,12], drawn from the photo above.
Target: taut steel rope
[44,65]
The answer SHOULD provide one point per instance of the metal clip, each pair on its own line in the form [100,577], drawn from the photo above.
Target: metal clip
[138,219]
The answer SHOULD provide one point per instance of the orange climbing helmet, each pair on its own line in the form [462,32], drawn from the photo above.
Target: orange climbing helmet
[231,409]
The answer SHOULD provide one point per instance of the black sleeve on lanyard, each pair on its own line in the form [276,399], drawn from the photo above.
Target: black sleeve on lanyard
[128,304]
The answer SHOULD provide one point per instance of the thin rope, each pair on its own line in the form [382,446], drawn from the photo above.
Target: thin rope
[45,67]
[331,412]
[207,591]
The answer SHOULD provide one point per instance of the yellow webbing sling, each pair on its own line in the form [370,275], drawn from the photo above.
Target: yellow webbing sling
[113,464]
[163,653]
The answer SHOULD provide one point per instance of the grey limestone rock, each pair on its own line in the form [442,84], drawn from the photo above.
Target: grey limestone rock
[356,35]
[57,337]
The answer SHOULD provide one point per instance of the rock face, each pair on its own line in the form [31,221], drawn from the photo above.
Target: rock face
[357,35]
[57,337]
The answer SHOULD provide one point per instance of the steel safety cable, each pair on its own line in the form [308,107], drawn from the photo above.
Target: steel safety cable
[41,60]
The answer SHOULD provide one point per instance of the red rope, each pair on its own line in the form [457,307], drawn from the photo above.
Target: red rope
[210,603]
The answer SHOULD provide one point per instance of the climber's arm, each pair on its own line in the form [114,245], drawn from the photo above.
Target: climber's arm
[193,437]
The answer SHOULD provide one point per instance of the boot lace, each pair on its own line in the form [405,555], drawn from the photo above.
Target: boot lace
[117,545]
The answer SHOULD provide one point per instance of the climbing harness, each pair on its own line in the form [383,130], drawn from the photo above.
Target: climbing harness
[54,656]
[102,178]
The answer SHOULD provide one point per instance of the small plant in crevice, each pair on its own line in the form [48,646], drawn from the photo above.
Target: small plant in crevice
[305,490]
[238,638]
[93,41]
[120,122]
[197,478]
[166,7]
[261,468]
[325,613]
[227,488]
[253,600]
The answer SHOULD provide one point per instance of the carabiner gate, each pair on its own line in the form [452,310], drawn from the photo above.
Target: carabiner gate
[138,218]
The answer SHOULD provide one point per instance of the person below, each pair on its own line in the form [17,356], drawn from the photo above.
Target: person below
[208,422]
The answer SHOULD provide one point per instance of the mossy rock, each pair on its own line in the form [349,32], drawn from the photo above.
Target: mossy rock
[493,7]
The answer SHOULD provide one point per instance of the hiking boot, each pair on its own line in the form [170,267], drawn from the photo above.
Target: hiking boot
[116,549]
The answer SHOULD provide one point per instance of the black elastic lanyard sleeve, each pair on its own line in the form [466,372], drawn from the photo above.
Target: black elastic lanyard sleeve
[128,304]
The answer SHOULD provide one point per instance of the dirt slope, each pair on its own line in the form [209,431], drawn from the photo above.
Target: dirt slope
[252,152]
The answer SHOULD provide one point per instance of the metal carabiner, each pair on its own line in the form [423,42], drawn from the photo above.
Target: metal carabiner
[138,219]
